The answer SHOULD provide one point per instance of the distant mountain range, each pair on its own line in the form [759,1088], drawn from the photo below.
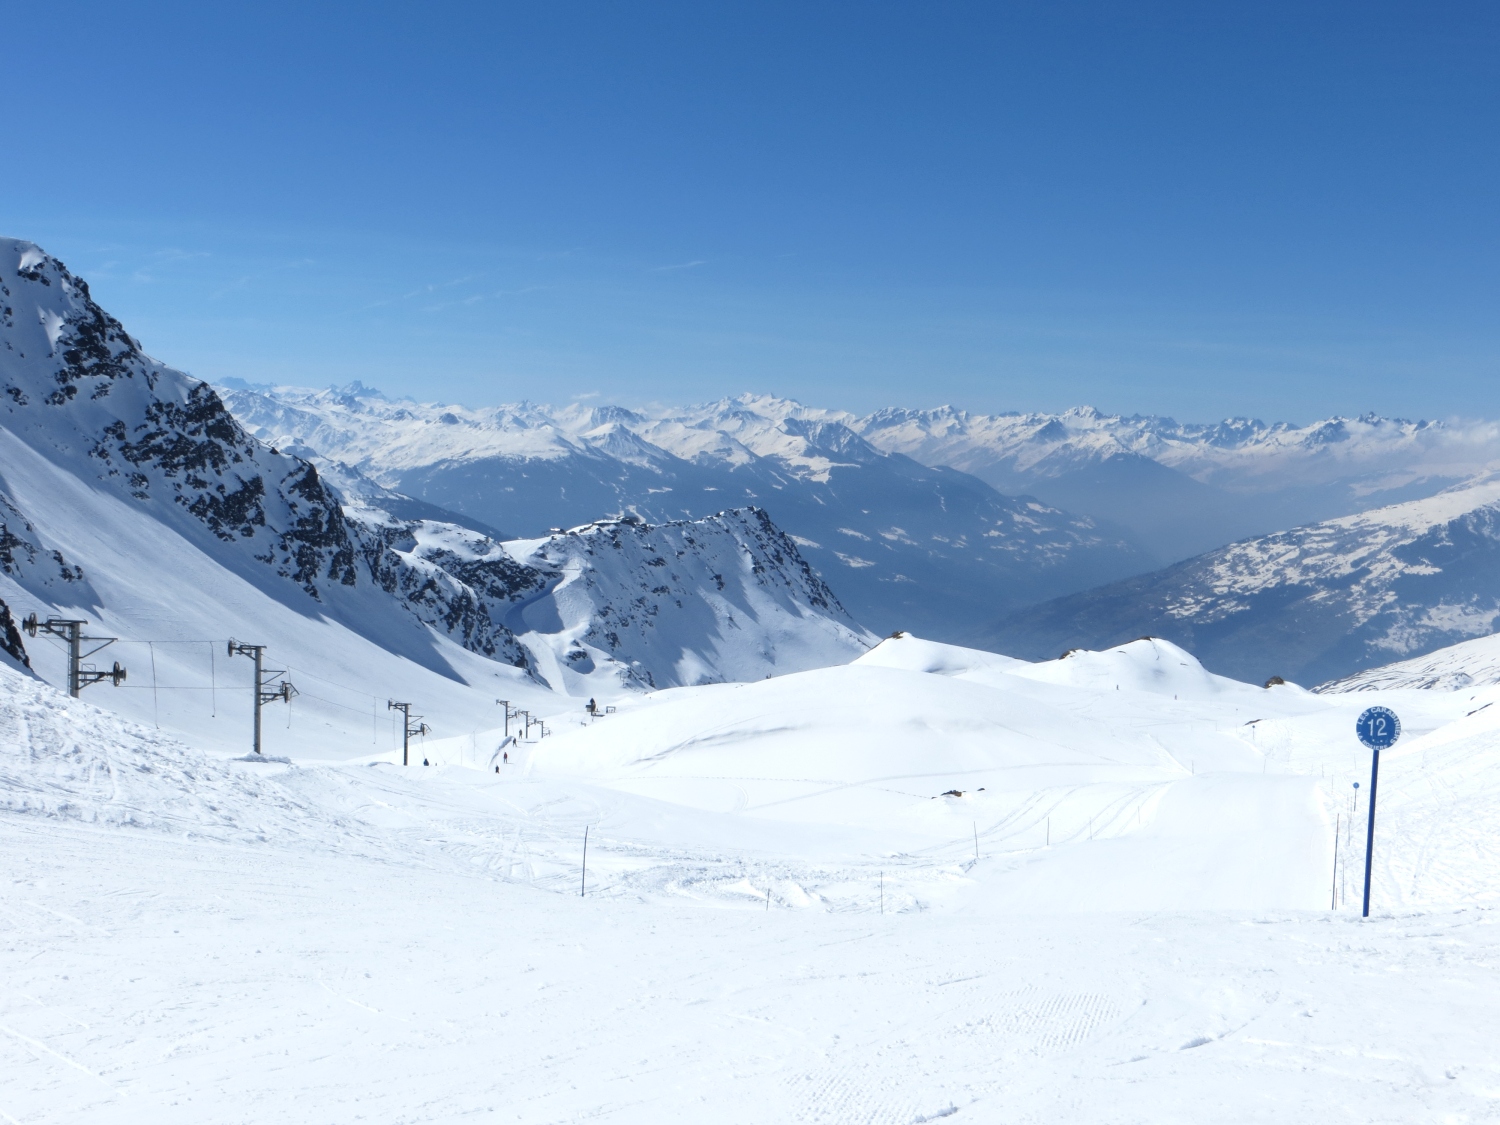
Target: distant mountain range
[1312,604]
[907,546]
[936,521]
[1183,489]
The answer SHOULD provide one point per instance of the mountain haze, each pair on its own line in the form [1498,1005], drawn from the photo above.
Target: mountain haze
[1184,488]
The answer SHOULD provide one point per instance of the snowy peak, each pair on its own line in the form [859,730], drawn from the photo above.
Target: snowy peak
[728,597]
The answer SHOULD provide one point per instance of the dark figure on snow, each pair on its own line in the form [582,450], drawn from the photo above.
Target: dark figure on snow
[505,757]
[424,761]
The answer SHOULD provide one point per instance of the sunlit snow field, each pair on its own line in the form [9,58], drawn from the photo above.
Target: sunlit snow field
[933,882]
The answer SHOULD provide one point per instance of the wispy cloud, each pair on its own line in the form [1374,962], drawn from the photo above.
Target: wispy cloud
[173,254]
[681,266]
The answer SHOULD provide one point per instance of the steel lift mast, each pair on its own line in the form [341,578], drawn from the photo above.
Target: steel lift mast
[80,675]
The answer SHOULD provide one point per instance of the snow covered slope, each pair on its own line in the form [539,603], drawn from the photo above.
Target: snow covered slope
[942,884]
[1311,604]
[1474,663]
[907,546]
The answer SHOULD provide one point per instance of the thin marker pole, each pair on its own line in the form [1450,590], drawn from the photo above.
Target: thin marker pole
[155,707]
[976,841]
[584,877]
[882,892]
[1333,895]
[1370,832]
[1049,831]
[768,898]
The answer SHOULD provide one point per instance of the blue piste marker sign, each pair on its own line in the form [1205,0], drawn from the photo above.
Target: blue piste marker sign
[1378,728]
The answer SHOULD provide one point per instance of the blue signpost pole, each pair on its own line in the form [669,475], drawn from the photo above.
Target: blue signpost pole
[1370,831]
[1378,728]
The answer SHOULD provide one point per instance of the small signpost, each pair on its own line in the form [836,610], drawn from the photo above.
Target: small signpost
[1378,728]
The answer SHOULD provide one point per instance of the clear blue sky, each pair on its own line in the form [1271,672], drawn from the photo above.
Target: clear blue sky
[1283,210]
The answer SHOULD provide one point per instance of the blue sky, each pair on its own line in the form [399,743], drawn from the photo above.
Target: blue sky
[1282,210]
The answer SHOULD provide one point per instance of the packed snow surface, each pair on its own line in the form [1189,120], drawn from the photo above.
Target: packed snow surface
[931,883]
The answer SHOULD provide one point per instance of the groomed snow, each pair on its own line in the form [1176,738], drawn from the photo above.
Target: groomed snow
[786,917]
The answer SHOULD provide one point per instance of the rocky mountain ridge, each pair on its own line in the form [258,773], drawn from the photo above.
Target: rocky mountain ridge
[81,392]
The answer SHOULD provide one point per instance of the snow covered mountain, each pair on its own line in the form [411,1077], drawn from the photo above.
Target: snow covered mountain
[1186,488]
[1474,663]
[719,599]
[1312,604]
[130,498]
[911,546]
[81,396]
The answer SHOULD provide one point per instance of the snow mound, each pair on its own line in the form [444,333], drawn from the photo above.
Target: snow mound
[873,745]
[913,654]
[1149,664]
